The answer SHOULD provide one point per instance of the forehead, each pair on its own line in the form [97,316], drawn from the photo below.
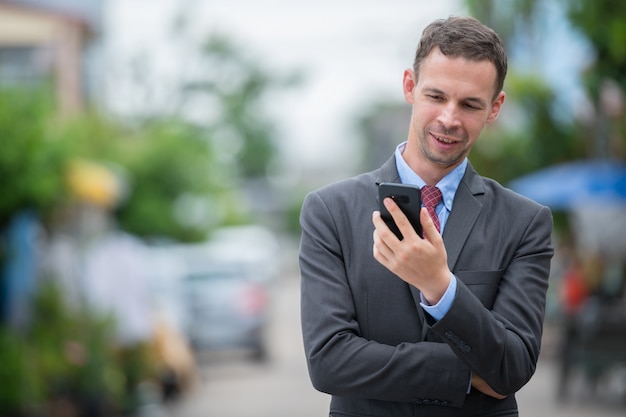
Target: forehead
[457,75]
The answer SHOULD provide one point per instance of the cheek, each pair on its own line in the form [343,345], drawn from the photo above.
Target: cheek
[424,114]
[473,128]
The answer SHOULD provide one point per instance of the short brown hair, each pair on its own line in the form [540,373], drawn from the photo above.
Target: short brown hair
[463,37]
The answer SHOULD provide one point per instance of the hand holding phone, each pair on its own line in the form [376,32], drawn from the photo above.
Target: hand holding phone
[408,198]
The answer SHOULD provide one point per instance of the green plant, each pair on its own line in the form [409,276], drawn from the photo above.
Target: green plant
[68,354]
[24,388]
[31,164]
[74,349]
[176,183]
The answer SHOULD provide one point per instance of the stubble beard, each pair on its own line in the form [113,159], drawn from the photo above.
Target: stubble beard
[440,158]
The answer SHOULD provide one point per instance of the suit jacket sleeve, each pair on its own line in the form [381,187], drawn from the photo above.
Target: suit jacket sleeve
[495,323]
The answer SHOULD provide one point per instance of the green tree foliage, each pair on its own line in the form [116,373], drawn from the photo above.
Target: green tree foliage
[223,88]
[531,138]
[602,23]
[506,18]
[529,134]
[182,174]
[183,163]
[159,164]
[31,163]
[239,85]
[177,184]
[219,101]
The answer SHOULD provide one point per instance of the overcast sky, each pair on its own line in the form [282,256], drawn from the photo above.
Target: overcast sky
[353,51]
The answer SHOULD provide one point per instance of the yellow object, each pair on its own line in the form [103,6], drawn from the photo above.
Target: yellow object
[95,183]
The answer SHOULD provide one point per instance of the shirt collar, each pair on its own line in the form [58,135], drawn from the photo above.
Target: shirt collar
[448,184]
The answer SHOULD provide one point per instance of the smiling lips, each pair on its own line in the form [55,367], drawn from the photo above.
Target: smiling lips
[442,139]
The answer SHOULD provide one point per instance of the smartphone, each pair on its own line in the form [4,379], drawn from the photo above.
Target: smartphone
[408,198]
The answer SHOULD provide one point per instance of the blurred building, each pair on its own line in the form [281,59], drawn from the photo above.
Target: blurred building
[52,41]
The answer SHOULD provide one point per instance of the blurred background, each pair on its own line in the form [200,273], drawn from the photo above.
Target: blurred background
[154,155]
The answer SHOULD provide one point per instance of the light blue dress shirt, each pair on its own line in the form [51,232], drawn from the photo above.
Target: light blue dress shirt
[448,186]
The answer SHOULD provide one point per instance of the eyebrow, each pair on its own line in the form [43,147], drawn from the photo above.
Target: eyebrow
[475,100]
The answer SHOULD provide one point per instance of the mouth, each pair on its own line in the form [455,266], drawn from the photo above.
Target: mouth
[443,139]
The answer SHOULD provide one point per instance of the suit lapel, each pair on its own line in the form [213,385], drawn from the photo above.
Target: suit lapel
[388,172]
[465,211]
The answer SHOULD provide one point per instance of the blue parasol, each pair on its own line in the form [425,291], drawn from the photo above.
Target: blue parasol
[575,184]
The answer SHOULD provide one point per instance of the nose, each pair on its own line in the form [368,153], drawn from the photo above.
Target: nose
[448,116]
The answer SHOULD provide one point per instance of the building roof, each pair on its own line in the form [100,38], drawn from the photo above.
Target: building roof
[22,25]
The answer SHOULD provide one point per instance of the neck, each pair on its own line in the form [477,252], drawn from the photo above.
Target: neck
[430,171]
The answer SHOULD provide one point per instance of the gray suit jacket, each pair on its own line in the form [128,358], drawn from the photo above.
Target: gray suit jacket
[368,342]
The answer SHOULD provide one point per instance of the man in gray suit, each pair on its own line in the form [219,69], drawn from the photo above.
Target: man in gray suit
[445,325]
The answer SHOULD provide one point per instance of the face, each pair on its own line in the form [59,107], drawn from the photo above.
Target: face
[452,101]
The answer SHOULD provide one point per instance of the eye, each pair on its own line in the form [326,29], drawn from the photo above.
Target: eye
[473,106]
[434,97]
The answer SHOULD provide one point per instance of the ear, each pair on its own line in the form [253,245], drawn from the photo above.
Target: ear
[408,85]
[496,107]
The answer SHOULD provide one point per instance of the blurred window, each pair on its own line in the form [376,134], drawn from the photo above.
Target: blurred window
[22,66]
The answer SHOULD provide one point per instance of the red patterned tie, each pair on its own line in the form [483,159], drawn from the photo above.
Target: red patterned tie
[431,196]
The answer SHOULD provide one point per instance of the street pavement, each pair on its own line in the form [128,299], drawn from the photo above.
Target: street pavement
[232,385]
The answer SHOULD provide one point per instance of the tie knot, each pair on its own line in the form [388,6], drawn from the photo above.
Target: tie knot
[431,196]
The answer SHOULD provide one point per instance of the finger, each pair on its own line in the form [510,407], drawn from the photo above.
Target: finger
[384,231]
[403,223]
[380,249]
[376,219]
[428,226]
[376,247]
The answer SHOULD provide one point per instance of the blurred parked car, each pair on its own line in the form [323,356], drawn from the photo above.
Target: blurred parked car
[217,293]
[226,308]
